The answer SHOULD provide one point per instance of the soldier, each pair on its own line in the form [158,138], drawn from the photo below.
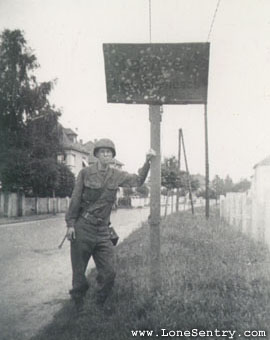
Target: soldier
[88,219]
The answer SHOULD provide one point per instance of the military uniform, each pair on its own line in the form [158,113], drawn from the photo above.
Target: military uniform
[89,213]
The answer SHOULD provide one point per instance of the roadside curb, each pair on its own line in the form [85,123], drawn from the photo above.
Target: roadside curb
[12,220]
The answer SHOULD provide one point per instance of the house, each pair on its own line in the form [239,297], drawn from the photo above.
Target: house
[75,155]
[78,155]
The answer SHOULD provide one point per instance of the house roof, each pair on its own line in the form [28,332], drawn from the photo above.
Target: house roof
[68,144]
[89,146]
[69,131]
[86,148]
[76,147]
[264,162]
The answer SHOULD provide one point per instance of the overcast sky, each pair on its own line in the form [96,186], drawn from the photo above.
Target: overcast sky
[67,38]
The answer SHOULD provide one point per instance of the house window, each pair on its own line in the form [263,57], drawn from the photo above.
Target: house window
[60,158]
[71,159]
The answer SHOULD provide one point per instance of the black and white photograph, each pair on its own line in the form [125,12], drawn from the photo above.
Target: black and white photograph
[134,169]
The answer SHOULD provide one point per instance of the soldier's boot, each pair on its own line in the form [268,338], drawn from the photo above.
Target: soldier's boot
[79,305]
[101,298]
[105,290]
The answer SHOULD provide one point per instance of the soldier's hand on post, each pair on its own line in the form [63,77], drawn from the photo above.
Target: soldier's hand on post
[71,233]
[150,154]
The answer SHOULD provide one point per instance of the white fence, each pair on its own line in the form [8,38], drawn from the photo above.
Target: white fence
[236,210]
[250,211]
[13,205]
[139,202]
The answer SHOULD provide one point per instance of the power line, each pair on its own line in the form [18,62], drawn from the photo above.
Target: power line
[213,20]
[150,21]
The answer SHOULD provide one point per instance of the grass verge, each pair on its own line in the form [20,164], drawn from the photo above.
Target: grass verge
[213,277]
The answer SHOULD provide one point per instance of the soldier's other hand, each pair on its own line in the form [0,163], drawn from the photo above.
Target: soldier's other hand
[150,154]
[71,233]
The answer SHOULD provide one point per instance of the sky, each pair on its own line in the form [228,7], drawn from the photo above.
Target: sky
[67,36]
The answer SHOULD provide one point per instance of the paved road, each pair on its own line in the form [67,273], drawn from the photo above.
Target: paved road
[36,275]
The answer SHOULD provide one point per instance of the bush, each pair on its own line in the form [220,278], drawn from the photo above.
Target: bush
[124,202]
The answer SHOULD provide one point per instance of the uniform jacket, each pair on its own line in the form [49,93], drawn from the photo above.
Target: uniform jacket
[95,194]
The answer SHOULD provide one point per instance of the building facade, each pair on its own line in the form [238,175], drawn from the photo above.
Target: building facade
[78,155]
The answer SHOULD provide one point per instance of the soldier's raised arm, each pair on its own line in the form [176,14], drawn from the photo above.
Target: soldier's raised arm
[136,180]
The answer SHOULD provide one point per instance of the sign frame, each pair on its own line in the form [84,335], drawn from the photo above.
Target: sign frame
[157,74]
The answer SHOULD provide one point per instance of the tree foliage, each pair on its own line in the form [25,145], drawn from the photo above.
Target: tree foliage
[172,178]
[220,186]
[29,135]
[242,186]
[143,190]
[228,184]
[66,181]
[127,191]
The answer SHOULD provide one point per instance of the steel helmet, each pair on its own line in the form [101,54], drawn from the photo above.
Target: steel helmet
[104,143]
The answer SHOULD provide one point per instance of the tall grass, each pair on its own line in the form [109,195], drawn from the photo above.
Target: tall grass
[213,277]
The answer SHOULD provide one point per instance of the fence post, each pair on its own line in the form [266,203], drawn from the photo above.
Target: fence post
[12,204]
[249,214]
[222,207]
[37,205]
[267,219]
[172,202]
[8,204]
[67,202]
[48,204]
[229,208]
[226,209]
[238,210]
[2,203]
[244,213]
[257,216]
[58,204]
[23,204]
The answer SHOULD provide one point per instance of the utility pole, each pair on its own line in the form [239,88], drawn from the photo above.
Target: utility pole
[155,186]
[179,167]
[187,170]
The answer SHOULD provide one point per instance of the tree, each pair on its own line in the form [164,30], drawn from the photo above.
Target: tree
[217,188]
[172,178]
[211,194]
[15,171]
[194,182]
[164,191]
[29,138]
[43,174]
[228,184]
[242,186]
[66,181]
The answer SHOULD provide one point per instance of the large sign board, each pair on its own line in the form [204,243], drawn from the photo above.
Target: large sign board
[157,74]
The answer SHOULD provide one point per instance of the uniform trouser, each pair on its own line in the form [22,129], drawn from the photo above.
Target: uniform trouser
[93,241]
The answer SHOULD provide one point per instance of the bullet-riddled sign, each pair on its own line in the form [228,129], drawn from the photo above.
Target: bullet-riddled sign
[157,74]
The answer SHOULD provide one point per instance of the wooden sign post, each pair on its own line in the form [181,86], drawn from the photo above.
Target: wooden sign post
[155,75]
[207,208]
[155,186]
